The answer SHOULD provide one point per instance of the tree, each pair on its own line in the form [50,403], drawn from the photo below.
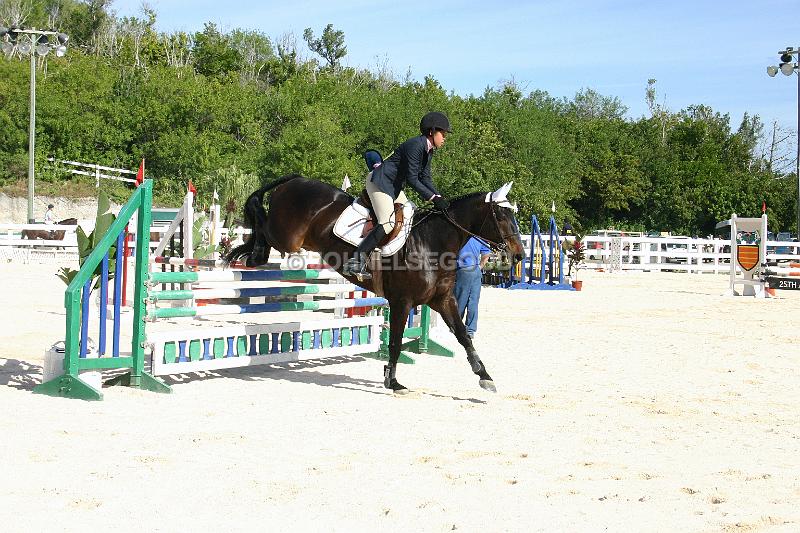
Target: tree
[15,12]
[214,54]
[658,112]
[589,104]
[612,182]
[255,50]
[330,45]
[84,22]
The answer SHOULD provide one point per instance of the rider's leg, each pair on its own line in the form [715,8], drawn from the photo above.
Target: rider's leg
[383,205]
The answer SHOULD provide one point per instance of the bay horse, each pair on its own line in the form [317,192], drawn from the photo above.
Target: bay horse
[302,213]
[51,235]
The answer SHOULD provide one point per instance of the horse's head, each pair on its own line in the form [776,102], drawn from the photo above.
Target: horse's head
[491,216]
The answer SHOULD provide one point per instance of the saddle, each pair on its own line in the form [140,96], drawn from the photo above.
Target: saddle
[399,218]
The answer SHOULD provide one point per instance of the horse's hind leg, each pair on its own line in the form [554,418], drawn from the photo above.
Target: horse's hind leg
[397,325]
[448,308]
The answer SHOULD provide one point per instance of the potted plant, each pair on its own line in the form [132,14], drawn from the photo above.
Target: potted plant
[575,257]
[87,244]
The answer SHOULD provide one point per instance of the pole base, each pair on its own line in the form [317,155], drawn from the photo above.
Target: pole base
[144,382]
[434,348]
[69,386]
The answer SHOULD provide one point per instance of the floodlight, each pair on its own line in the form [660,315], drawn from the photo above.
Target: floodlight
[63,38]
[42,49]
[772,70]
[24,48]
[786,57]
[787,68]
[61,51]
[6,47]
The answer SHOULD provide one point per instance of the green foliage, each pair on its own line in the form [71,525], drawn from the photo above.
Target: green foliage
[233,186]
[200,239]
[214,54]
[87,243]
[231,109]
[330,45]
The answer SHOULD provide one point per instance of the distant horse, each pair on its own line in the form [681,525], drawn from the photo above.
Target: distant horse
[302,213]
[50,235]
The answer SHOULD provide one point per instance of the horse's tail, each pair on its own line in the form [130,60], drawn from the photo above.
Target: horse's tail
[255,217]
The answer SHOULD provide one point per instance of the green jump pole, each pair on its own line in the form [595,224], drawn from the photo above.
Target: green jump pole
[420,343]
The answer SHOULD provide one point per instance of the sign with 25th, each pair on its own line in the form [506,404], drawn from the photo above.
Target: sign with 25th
[784,283]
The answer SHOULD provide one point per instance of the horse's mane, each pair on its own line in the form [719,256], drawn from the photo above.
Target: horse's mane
[421,211]
[467,196]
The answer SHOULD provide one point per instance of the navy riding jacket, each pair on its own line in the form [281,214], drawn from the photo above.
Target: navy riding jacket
[410,163]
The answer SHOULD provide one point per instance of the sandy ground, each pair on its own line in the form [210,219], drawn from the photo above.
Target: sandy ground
[646,402]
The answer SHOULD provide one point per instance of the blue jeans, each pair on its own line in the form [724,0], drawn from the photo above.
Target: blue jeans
[468,292]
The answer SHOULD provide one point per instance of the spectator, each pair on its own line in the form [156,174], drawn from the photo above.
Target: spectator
[471,260]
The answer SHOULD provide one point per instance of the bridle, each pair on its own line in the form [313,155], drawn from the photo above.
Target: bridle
[494,246]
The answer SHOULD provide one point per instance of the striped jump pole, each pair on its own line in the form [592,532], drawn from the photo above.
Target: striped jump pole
[792,270]
[270,307]
[244,291]
[244,275]
[783,278]
[219,263]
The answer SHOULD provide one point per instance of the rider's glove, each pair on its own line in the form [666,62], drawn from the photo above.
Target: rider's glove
[440,203]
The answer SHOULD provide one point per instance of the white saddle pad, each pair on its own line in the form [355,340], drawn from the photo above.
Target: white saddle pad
[350,225]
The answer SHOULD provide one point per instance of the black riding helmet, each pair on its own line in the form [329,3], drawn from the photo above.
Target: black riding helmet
[434,120]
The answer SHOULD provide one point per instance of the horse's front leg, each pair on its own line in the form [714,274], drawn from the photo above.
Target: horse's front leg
[448,308]
[397,324]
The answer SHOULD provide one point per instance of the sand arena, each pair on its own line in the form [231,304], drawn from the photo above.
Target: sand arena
[646,402]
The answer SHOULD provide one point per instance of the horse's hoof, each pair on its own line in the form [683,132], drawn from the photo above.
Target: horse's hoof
[391,383]
[487,384]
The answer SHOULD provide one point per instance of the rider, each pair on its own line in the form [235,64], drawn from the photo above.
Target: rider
[49,215]
[410,163]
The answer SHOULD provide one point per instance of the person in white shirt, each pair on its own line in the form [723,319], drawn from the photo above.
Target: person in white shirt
[49,215]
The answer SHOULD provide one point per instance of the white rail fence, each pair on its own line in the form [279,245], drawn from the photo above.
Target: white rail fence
[648,254]
[674,254]
[14,248]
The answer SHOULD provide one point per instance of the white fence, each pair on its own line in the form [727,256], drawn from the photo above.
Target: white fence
[14,248]
[678,254]
[674,254]
[649,254]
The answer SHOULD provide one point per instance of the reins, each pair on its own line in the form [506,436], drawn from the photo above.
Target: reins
[495,246]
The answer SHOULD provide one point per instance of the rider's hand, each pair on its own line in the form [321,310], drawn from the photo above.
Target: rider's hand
[440,203]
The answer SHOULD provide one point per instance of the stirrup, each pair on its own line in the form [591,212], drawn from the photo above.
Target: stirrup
[357,268]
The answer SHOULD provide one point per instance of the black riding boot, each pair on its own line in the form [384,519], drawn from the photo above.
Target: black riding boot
[357,265]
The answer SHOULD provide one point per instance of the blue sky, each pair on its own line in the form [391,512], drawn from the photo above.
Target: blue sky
[701,52]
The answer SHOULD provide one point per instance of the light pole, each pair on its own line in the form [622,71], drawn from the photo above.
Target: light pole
[32,42]
[790,64]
